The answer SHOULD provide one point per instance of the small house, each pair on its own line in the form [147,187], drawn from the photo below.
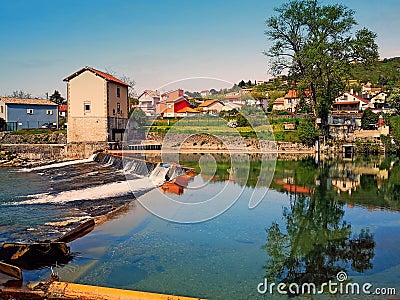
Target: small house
[28,113]
[211,106]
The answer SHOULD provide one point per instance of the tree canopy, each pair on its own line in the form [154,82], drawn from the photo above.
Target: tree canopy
[57,98]
[316,45]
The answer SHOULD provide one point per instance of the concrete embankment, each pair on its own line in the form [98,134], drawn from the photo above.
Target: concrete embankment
[66,290]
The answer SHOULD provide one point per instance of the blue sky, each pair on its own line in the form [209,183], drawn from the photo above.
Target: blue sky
[154,42]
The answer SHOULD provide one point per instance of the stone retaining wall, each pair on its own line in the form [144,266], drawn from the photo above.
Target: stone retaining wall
[200,142]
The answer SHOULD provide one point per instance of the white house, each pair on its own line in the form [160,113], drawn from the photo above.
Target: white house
[350,103]
[148,101]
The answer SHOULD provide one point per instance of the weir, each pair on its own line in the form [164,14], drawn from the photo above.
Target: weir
[157,172]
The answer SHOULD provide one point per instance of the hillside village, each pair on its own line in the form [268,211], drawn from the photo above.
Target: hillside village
[98,107]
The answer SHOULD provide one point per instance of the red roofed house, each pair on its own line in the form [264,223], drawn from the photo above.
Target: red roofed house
[350,103]
[63,110]
[211,106]
[291,100]
[186,112]
[172,103]
[97,106]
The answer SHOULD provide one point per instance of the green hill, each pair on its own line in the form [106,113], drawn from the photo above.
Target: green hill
[383,73]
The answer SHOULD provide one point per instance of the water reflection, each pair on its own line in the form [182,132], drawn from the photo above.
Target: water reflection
[373,182]
[316,242]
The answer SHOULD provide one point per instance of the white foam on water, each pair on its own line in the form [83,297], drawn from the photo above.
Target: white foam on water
[61,164]
[67,221]
[109,190]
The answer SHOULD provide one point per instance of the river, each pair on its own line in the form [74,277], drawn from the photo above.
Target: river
[317,220]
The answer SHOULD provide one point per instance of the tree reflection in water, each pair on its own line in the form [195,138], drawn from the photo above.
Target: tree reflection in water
[317,243]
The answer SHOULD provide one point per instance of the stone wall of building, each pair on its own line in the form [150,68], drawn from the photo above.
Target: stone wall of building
[84,149]
[87,129]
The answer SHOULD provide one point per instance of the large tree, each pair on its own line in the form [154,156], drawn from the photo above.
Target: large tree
[316,45]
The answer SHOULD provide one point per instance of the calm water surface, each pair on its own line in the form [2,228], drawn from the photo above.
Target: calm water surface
[317,220]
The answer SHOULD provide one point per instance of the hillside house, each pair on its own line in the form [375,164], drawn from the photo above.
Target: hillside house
[279,104]
[148,101]
[291,100]
[211,106]
[172,102]
[379,100]
[28,113]
[97,106]
[350,103]
[187,112]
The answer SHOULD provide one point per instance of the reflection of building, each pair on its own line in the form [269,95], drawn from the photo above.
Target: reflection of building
[346,185]
[178,185]
[346,177]
[289,185]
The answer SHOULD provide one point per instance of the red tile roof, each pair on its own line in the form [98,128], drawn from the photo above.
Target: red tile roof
[63,107]
[187,109]
[103,75]
[292,94]
[207,103]
[346,102]
[360,98]
[232,96]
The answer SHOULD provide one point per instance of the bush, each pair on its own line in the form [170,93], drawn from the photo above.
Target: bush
[307,132]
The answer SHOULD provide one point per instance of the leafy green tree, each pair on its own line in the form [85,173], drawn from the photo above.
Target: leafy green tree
[307,132]
[395,127]
[316,243]
[368,118]
[394,99]
[242,83]
[315,45]
[57,98]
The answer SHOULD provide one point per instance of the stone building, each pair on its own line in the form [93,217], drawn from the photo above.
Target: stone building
[97,107]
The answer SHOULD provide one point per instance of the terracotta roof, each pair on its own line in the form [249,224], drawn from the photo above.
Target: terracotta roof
[279,101]
[207,103]
[360,98]
[346,102]
[232,96]
[150,93]
[187,109]
[292,94]
[63,107]
[34,101]
[297,189]
[103,75]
